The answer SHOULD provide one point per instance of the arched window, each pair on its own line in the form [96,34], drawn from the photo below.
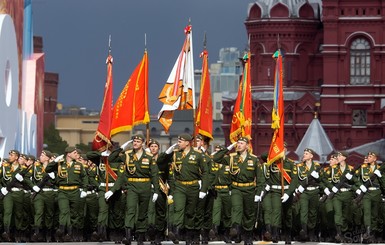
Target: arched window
[360,62]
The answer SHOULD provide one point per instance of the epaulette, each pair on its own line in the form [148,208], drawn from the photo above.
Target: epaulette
[150,154]
[364,165]
[316,163]
[233,154]
[350,167]
[334,166]
[300,164]
[129,151]
[251,154]
[200,151]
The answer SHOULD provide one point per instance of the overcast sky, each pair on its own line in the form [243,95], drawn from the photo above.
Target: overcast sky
[75,40]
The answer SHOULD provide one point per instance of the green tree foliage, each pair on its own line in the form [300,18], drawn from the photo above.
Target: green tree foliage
[53,141]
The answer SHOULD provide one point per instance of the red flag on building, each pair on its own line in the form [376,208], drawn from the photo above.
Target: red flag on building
[204,118]
[179,93]
[102,139]
[241,122]
[277,144]
[131,108]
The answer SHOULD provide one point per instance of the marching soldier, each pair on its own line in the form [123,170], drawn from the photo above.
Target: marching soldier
[189,168]
[280,187]
[246,187]
[309,181]
[72,181]
[140,172]
[44,200]
[370,181]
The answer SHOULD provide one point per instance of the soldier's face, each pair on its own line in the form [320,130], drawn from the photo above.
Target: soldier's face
[74,155]
[137,144]
[12,157]
[341,158]
[43,157]
[199,143]
[22,160]
[307,156]
[182,144]
[333,161]
[242,146]
[154,149]
[372,159]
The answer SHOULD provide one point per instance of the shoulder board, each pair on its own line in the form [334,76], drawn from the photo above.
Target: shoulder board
[233,154]
[252,155]
[316,163]
[196,150]
[364,165]
[350,167]
[129,151]
[334,166]
[149,154]
[300,164]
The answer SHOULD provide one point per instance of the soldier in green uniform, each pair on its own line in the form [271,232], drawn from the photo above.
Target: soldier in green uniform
[247,184]
[160,206]
[343,186]
[327,226]
[222,202]
[189,167]
[110,214]
[12,188]
[370,181]
[44,200]
[309,182]
[280,187]
[72,181]
[140,172]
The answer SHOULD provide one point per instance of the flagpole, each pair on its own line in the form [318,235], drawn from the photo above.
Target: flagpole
[106,157]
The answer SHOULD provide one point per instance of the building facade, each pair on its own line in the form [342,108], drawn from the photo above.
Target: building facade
[333,66]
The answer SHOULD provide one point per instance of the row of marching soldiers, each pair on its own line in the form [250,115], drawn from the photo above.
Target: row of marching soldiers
[187,193]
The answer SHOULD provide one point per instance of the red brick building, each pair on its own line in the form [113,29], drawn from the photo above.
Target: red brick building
[334,65]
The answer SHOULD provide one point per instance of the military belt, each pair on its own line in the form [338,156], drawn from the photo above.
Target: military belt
[278,187]
[68,187]
[221,187]
[188,182]
[243,184]
[138,179]
[345,189]
[311,188]
[109,184]
[373,188]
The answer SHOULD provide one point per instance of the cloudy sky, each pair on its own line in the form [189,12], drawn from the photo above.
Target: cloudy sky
[75,38]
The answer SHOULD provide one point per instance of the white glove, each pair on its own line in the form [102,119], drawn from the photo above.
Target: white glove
[202,195]
[83,194]
[348,176]
[315,174]
[171,148]
[19,177]
[59,158]
[170,197]
[105,153]
[4,191]
[147,150]
[358,192]
[154,197]
[378,173]
[301,189]
[285,197]
[257,198]
[267,188]
[36,188]
[200,184]
[229,193]
[231,146]
[108,194]
[334,189]
[51,175]
[363,188]
[327,191]
[125,145]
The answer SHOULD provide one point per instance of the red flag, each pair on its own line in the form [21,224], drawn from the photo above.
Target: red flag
[277,143]
[131,108]
[204,118]
[178,93]
[102,139]
[241,122]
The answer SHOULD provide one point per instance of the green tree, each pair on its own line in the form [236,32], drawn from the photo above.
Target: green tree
[53,140]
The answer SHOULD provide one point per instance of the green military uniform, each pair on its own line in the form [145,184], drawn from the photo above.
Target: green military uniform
[222,203]
[44,200]
[111,212]
[139,174]
[188,169]
[72,181]
[91,200]
[309,199]
[247,181]
[13,192]
[204,213]
[371,185]
[343,197]
[280,181]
